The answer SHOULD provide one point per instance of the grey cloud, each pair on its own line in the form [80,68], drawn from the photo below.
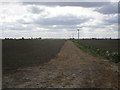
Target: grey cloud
[58,20]
[61,20]
[68,22]
[22,21]
[111,8]
[35,10]
[61,27]
[82,4]
[118,7]
[15,27]
[112,20]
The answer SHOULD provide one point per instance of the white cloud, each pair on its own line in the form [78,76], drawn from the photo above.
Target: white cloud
[34,20]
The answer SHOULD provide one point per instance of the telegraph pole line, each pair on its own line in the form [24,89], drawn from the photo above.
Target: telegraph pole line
[73,35]
[78,34]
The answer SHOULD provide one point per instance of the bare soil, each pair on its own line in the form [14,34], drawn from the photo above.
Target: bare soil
[72,68]
[26,53]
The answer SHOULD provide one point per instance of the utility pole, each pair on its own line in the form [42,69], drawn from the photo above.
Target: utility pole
[78,34]
[73,35]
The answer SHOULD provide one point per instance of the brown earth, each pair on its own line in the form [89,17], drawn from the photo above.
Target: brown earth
[72,68]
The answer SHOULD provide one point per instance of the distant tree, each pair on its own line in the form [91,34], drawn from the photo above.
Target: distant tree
[11,38]
[93,38]
[22,38]
[7,39]
[40,38]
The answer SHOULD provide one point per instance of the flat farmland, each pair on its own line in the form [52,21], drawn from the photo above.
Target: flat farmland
[25,53]
[111,45]
[72,68]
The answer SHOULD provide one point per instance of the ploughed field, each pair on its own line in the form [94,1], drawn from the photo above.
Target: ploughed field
[111,45]
[17,54]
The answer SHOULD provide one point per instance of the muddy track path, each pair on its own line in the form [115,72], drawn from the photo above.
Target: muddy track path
[72,68]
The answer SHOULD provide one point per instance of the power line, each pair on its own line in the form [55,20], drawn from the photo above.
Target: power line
[78,33]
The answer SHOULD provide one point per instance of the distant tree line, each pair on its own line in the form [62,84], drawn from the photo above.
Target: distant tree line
[22,38]
[94,39]
[98,38]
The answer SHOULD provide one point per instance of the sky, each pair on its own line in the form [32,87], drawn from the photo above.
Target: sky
[59,19]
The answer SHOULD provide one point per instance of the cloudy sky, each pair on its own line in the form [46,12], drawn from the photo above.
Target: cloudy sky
[59,20]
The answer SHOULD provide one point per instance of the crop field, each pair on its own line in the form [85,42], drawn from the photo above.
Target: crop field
[106,48]
[111,45]
[23,53]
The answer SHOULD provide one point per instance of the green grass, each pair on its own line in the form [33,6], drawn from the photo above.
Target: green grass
[83,47]
[113,56]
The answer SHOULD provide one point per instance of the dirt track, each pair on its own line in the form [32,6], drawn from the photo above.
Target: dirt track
[72,68]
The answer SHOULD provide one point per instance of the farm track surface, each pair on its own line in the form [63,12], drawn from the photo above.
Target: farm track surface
[72,68]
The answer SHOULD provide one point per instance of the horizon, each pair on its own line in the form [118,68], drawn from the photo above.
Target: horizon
[58,38]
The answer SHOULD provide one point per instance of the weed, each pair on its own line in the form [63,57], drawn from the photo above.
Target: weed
[111,55]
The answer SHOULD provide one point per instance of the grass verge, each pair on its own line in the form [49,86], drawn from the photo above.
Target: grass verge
[113,56]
